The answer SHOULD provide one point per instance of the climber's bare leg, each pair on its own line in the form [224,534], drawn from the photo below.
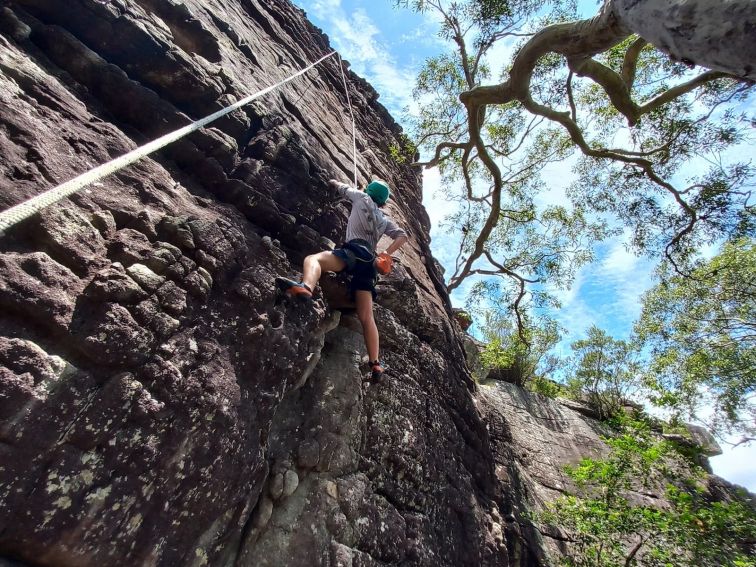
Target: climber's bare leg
[316,264]
[364,301]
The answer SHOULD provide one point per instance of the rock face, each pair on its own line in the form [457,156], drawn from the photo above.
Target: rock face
[159,404]
[533,437]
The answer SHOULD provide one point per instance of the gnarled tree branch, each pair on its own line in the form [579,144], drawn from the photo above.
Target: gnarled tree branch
[437,157]
[630,62]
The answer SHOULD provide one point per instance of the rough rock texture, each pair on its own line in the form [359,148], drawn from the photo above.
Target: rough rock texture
[159,404]
[533,438]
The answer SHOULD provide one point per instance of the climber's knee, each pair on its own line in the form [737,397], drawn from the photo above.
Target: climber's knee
[328,261]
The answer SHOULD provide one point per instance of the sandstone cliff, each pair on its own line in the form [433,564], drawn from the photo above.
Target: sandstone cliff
[159,404]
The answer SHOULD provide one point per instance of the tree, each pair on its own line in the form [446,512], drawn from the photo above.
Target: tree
[609,524]
[700,331]
[717,33]
[605,370]
[636,116]
[528,361]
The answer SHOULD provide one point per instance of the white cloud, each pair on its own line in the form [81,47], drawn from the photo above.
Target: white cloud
[433,198]
[627,276]
[618,261]
[557,177]
[736,465]
[425,35]
[606,293]
[325,8]
[359,40]
[500,55]
[357,34]
[576,315]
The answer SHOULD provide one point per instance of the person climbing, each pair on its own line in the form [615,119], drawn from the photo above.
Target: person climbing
[357,256]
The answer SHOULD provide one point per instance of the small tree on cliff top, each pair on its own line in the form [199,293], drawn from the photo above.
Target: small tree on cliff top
[619,89]
[609,523]
[605,370]
[528,363]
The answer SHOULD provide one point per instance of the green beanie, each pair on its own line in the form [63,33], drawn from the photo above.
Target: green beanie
[378,191]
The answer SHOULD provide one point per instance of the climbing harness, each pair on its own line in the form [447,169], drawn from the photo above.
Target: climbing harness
[19,212]
[357,250]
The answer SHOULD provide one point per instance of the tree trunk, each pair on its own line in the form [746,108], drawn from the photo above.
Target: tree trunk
[717,34]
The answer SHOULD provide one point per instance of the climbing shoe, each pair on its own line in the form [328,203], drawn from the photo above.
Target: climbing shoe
[297,290]
[377,372]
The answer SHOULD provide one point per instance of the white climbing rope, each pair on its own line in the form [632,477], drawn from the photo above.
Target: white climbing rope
[349,105]
[19,212]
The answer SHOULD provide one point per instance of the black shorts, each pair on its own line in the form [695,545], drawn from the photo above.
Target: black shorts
[360,264]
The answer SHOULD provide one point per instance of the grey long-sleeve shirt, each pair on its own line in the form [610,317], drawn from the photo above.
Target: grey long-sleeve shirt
[367,221]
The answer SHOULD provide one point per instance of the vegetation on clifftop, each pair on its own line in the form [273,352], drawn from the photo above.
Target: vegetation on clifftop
[611,522]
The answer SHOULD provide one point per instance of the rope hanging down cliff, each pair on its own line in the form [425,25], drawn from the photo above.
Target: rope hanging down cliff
[351,113]
[24,210]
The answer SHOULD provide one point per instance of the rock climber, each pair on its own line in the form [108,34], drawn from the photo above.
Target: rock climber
[357,257]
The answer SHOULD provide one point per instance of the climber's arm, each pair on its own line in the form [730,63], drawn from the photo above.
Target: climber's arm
[396,245]
[397,234]
[343,190]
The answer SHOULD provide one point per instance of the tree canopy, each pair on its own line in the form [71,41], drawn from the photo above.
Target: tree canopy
[700,330]
[605,370]
[524,354]
[609,523]
[647,118]
[635,119]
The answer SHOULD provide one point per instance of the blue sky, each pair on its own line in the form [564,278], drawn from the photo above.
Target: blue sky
[387,46]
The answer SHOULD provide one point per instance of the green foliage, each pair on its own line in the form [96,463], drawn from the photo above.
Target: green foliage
[653,141]
[525,355]
[541,248]
[669,218]
[700,330]
[404,151]
[675,425]
[634,118]
[610,524]
[523,229]
[605,370]
[464,317]
[546,387]
[395,152]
